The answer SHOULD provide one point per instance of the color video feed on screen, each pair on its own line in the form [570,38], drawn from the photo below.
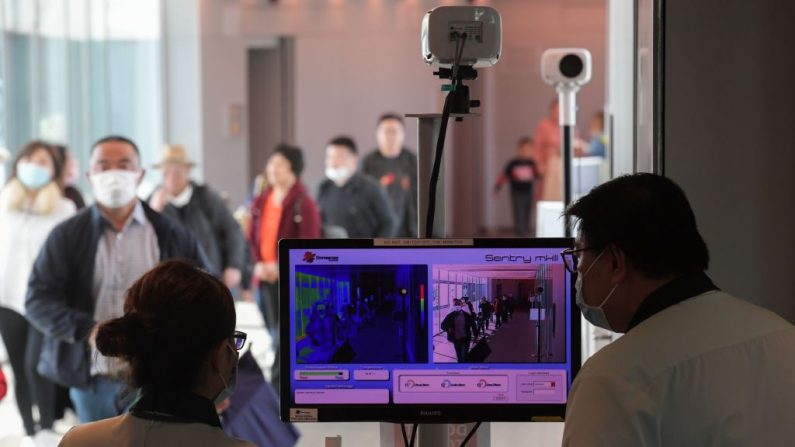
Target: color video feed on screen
[499,314]
[361,314]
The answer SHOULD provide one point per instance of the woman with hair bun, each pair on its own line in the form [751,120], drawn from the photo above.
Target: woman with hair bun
[178,337]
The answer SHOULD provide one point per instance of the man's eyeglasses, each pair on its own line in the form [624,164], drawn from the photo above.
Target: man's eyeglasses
[571,258]
[238,340]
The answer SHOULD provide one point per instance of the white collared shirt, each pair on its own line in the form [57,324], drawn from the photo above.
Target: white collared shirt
[712,370]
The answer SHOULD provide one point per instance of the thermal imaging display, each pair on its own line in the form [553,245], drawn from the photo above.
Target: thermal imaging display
[401,328]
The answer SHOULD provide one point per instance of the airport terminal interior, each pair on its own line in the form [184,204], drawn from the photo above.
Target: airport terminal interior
[258,120]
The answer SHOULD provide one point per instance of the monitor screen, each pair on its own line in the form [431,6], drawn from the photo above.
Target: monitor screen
[438,330]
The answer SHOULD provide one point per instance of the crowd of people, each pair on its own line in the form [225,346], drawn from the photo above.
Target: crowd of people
[65,268]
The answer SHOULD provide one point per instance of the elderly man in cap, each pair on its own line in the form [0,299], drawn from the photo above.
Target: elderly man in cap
[202,211]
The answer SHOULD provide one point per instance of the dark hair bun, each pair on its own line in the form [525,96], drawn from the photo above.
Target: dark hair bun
[121,337]
[173,317]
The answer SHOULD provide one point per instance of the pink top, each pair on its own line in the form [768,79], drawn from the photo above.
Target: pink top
[546,142]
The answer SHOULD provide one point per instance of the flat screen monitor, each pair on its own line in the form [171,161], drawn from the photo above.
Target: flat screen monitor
[426,330]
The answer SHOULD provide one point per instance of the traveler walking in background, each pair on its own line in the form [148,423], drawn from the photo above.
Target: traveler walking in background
[202,211]
[31,205]
[283,210]
[395,168]
[352,200]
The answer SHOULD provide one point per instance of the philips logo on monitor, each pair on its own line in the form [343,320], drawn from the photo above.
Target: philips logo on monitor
[310,257]
[523,259]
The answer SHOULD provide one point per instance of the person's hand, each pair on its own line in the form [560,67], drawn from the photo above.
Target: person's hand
[271,274]
[232,277]
[259,270]
[159,200]
[267,272]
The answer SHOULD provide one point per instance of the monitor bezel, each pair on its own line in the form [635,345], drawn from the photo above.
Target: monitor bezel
[420,413]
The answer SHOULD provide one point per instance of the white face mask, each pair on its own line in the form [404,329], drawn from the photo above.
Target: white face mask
[338,175]
[594,314]
[115,188]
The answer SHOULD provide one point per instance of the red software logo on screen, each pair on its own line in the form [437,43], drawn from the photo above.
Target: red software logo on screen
[309,257]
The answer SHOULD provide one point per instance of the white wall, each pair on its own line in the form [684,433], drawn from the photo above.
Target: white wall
[728,138]
[223,69]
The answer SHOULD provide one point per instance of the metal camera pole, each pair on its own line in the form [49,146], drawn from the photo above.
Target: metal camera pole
[429,126]
[567,106]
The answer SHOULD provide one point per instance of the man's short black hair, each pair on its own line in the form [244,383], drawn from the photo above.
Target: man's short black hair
[648,217]
[344,141]
[390,116]
[524,140]
[117,139]
[294,155]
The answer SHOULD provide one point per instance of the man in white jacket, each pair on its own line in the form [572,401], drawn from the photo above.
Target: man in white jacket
[696,366]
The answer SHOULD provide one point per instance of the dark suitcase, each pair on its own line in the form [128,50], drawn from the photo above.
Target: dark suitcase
[479,352]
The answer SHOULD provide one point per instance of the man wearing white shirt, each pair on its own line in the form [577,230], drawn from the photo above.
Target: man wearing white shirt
[696,366]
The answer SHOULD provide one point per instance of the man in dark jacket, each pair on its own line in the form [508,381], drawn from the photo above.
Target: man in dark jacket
[395,167]
[202,211]
[81,274]
[351,200]
[460,327]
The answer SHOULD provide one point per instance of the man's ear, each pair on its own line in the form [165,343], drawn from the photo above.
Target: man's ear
[217,356]
[618,265]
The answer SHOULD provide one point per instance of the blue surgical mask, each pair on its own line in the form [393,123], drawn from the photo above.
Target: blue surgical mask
[229,386]
[594,314]
[32,175]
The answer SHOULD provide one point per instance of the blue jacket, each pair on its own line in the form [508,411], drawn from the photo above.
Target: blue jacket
[59,302]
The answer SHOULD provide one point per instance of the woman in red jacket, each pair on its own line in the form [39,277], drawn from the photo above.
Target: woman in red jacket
[283,210]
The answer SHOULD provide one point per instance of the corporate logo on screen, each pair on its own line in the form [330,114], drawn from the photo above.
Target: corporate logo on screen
[541,259]
[310,257]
